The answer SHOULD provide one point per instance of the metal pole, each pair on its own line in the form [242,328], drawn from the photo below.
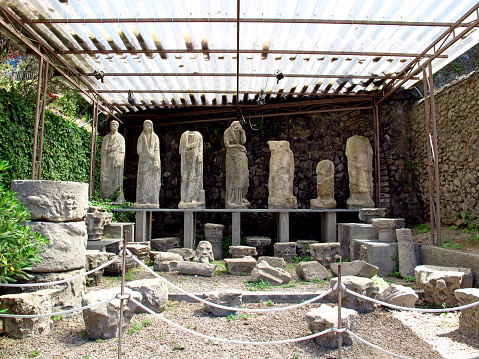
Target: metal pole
[95,120]
[377,160]
[340,321]
[436,155]
[237,52]
[120,326]
[92,155]
[429,156]
[37,115]
[42,126]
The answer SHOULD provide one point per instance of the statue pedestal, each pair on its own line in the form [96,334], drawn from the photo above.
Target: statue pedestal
[189,229]
[236,228]
[283,227]
[328,227]
[143,226]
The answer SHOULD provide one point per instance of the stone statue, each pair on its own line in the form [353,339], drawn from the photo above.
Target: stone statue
[148,180]
[237,174]
[112,164]
[204,253]
[325,180]
[281,176]
[191,151]
[360,169]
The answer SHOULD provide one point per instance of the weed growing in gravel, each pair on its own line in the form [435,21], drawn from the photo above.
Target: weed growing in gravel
[86,356]
[423,228]
[269,303]
[255,286]
[83,334]
[410,278]
[242,316]
[57,318]
[291,284]
[320,281]
[136,328]
[130,274]
[475,237]
[147,322]
[448,243]
[99,340]
[178,347]
[34,353]
[220,268]
[192,326]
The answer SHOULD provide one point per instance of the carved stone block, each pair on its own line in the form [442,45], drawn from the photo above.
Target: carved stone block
[325,253]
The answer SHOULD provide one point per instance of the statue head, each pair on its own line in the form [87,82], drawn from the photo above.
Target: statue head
[236,125]
[148,126]
[114,126]
[204,252]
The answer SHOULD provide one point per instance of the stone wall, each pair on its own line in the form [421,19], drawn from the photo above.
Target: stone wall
[457,115]
[312,138]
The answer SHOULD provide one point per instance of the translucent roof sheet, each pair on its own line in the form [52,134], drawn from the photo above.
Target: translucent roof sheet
[184,52]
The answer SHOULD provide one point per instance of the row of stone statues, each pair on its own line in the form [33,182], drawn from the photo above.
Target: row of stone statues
[358,152]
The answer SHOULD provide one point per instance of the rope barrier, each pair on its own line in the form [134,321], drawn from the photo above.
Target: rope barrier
[232,308]
[55,313]
[375,346]
[63,280]
[231,341]
[392,306]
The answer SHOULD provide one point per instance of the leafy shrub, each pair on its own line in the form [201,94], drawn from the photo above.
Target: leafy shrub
[19,245]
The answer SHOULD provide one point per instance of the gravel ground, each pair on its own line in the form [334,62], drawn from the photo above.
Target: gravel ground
[409,334]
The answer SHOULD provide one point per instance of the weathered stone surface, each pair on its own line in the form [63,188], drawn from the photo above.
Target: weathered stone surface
[105,245]
[67,247]
[469,317]
[214,235]
[102,321]
[359,285]
[366,214]
[112,164]
[355,268]
[406,252]
[360,169]
[140,251]
[204,252]
[240,266]
[54,201]
[349,231]
[94,259]
[439,283]
[165,244]
[169,266]
[148,179]
[187,253]
[228,298]
[308,271]
[387,228]
[154,293]
[399,295]
[120,230]
[167,257]
[242,251]
[115,268]
[191,151]
[27,304]
[285,250]
[303,248]
[195,268]
[275,276]
[273,261]
[259,243]
[281,176]
[325,317]
[380,254]
[325,253]
[325,186]
[95,221]
[237,174]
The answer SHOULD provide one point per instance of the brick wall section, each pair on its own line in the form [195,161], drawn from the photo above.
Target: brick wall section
[457,114]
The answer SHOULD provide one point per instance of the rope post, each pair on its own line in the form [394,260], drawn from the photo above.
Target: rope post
[120,326]
[340,322]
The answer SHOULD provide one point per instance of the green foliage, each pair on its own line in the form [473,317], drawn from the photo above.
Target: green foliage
[136,328]
[380,282]
[410,278]
[220,268]
[423,228]
[472,225]
[269,303]
[108,205]
[147,322]
[475,237]
[410,166]
[20,246]
[449,243]
[34,353]
[296,259]
[242,316]
[255,286]
[57,318]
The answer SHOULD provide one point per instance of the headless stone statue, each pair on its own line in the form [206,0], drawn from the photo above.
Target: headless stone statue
[360,169]
[191,151]
[325,180]
[148,180]
[237,174]
[112,164]
[281,176]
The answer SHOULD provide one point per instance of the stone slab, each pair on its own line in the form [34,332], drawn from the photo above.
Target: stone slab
[105,245]
[240,266]
[121,230]
[379,254]
[347,231]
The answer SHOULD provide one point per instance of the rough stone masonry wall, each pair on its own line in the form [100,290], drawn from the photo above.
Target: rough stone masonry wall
[457,116]
[312,138]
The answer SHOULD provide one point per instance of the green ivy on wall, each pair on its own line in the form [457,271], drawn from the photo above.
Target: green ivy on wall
[66,147]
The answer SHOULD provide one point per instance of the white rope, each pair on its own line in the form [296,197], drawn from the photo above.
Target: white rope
[375,346]
[55,313]
[232,308]
[63,280]
[230,340]
[392,306]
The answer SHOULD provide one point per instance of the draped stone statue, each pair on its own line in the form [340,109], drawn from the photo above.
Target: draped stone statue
[191,151]
[281,176]
[148,180]
[325,181]
[237,174]
[112,164]
[360,168]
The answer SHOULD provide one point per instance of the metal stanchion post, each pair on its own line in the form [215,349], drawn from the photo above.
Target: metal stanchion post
[340,322]
[120,326]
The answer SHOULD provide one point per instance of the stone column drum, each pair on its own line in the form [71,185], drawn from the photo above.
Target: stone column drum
[387,228]
[214,235]
[407,256]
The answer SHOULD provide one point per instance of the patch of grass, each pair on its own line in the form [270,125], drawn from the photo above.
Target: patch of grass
[269,303]
[57,318]
[147,322]
[255,286]
[86,356]
[99,340]
[381,282]
[449,243]
[423,228]
[242,316]
[231,317]
[291,284]
[34,353]
[220,268]
[135,328]
[319,281]
[130,274]
[410,278]
[83,334]
[453,228]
